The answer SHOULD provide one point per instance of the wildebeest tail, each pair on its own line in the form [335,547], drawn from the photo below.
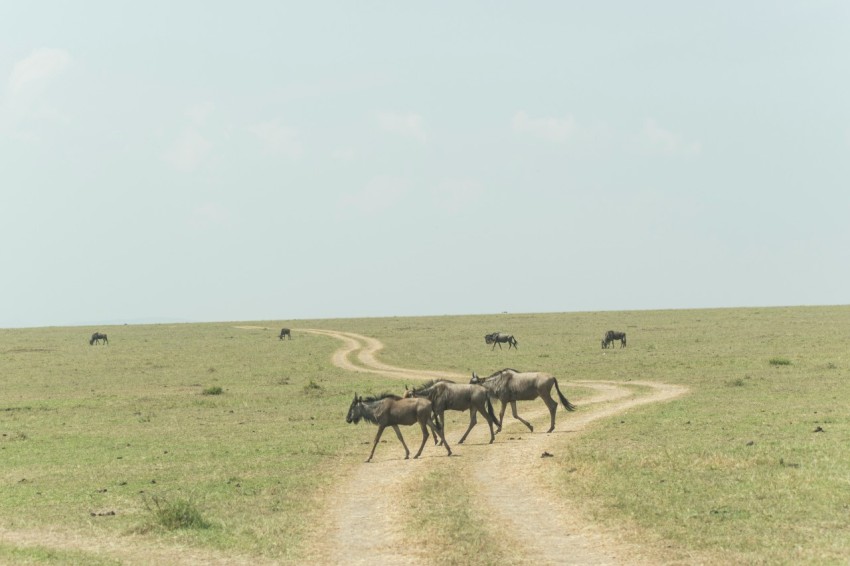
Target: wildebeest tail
[567,405]
[491,412]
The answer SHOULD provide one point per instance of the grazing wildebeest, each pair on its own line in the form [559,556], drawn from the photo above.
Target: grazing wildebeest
[611,336]
[391,410]
[97,337]
[509,386]
[499,338]
[284,332]
[448,395]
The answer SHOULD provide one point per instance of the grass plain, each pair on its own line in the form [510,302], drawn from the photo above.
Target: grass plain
[752,466]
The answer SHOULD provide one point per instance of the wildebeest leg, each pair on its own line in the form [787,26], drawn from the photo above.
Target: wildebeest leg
[491,417]
[502,416]
[401,438]
[377,438]
[472,421]
[490,425]
[434,434]
[439,424]
[442,441]
[424,426]
[552,405]
[519,418]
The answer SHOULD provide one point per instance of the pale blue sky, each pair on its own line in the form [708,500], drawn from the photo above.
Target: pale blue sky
[211,161]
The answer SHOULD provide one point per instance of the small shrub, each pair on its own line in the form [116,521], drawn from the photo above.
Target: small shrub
[312,387]
[735,382]
[213,390]
[780,362]
[176,514]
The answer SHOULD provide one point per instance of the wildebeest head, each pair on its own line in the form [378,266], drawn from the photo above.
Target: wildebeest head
[354,414]
[475,379]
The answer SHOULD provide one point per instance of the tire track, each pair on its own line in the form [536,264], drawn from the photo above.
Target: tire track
[550,531]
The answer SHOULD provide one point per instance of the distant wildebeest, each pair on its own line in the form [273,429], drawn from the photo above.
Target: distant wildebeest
[499,338]
[391,410]
[611,336]
[285,332]
[510,386]
[97,337]
[448,395]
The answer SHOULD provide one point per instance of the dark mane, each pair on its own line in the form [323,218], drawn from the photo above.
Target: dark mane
[500,371]
[381,397]
[431,383]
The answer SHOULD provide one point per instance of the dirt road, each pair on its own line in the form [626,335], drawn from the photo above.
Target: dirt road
[366,524]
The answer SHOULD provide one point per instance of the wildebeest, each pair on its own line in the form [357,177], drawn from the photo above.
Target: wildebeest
[391,410]
[97,337]
[509,386]
[499,338]
[610,336]
[448,395]
[285,332]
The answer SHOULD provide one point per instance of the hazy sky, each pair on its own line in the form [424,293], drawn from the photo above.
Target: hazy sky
[210,161]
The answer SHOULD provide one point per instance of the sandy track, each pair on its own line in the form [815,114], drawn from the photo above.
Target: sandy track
[556,533]
[552,532]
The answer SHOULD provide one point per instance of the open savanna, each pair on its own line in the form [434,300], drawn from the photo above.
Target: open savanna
[95,439]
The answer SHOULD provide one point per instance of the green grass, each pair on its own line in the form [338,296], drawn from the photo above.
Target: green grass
[447,523]
[733,471]
[23,556]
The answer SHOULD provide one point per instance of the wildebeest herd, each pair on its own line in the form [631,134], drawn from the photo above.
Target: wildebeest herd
[427,404]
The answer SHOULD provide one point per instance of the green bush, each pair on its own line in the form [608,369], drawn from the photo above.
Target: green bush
[176,514]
